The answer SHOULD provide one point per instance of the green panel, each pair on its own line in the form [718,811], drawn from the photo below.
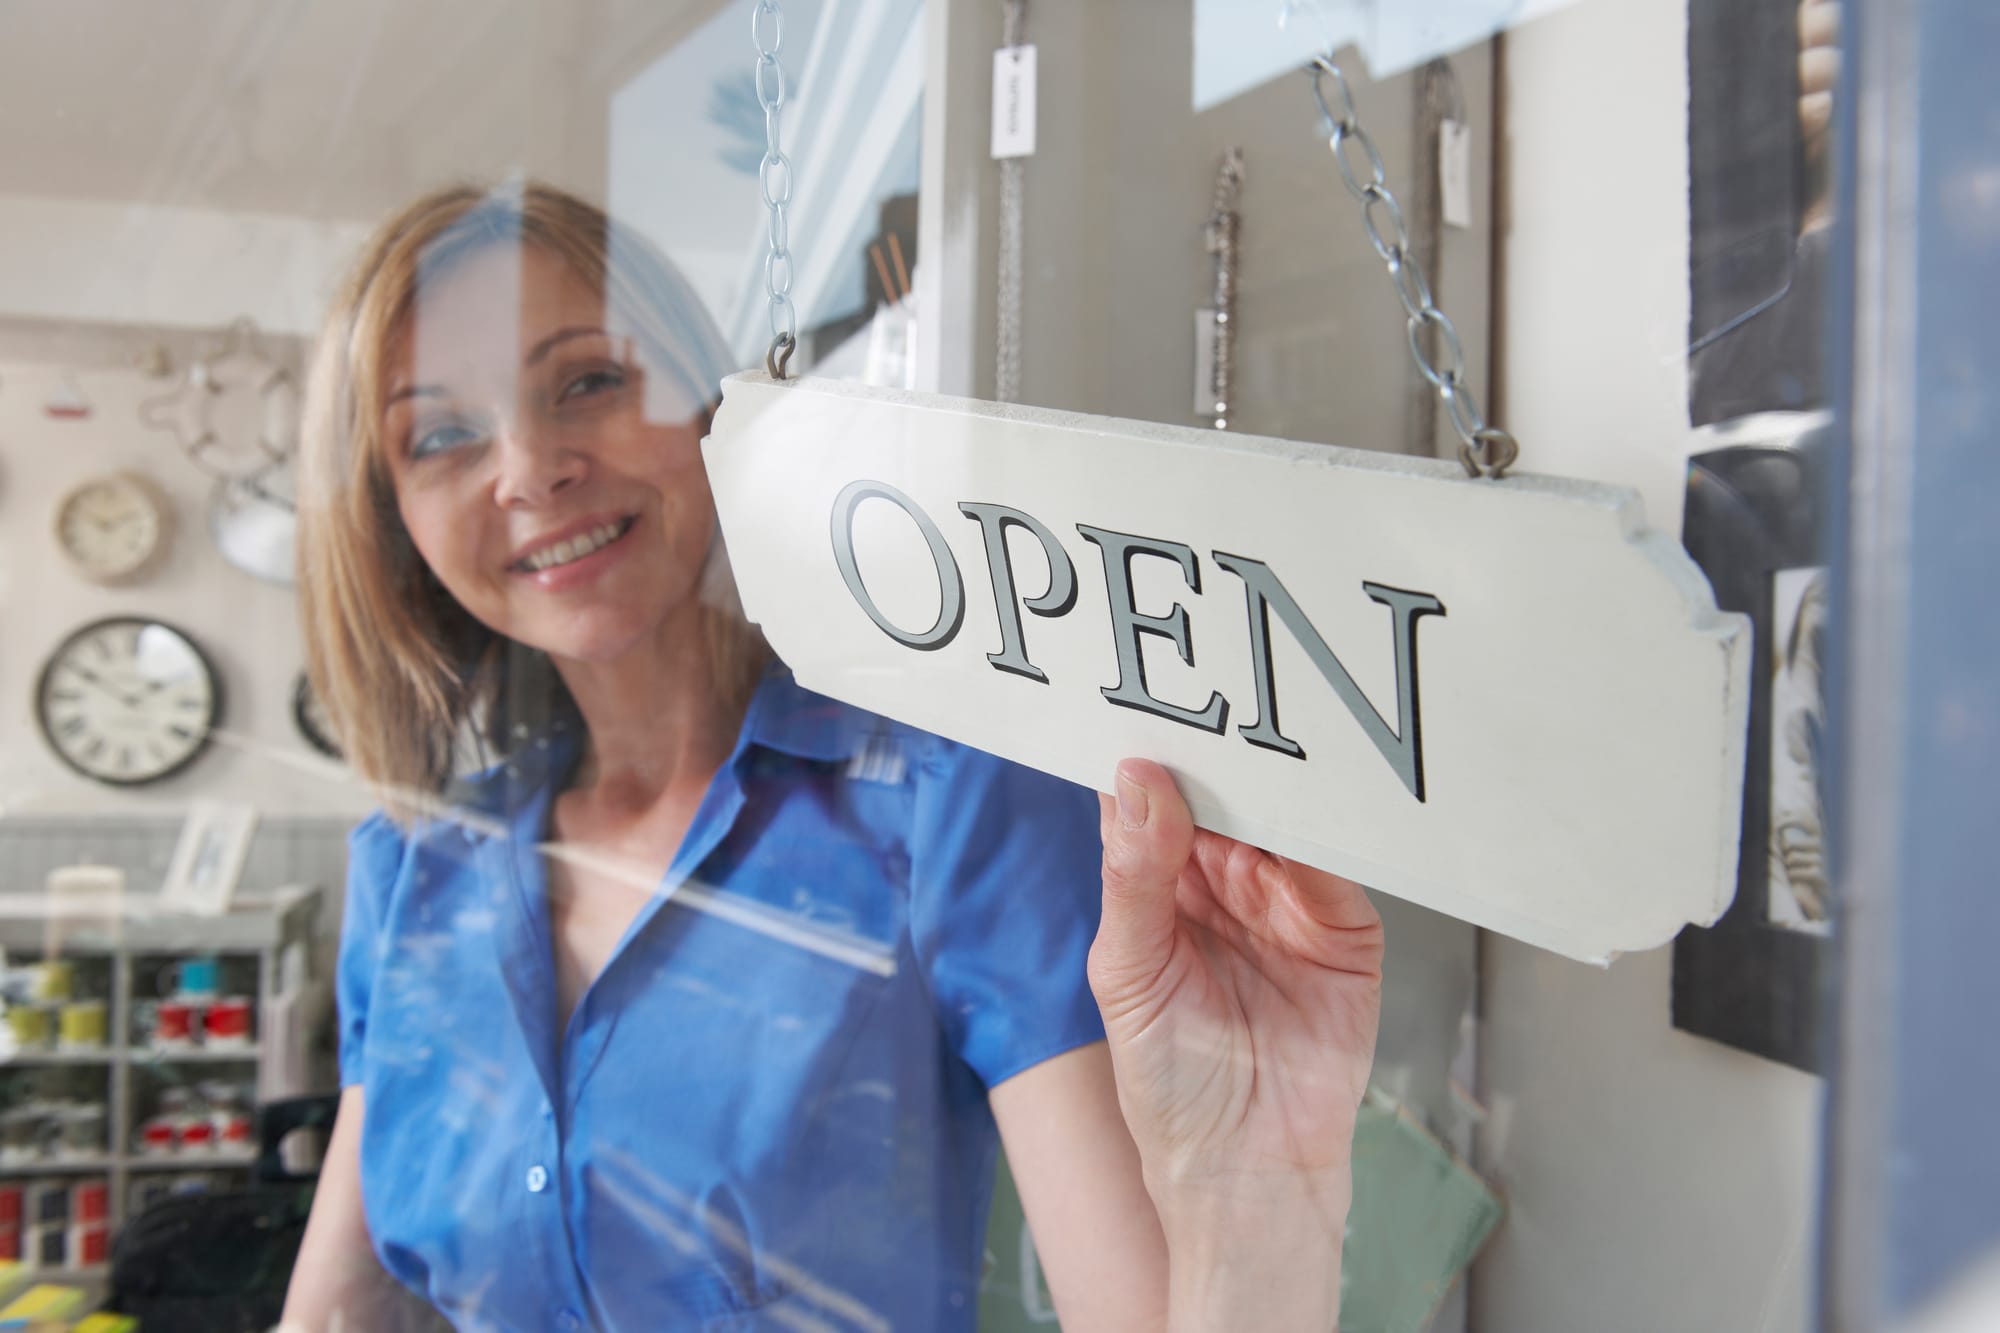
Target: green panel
[1010,1260]
[1419,1217]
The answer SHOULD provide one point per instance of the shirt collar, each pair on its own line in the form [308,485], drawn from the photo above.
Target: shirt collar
[787,717]
[783,716]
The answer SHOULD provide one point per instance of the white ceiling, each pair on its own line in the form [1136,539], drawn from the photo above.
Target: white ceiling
[325,109]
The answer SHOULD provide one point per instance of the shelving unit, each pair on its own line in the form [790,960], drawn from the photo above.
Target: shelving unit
[130,932]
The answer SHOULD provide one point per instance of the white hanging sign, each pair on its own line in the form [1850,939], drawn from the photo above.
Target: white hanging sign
[1507,701]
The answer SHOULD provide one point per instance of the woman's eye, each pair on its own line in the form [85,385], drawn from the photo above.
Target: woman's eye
[438,439]
[592,381]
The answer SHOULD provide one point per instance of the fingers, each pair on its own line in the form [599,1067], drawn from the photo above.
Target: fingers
[1148,833]
[1332,901]
[1819,23]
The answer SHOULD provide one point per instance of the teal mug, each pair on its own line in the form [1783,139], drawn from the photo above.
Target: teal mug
[198,979]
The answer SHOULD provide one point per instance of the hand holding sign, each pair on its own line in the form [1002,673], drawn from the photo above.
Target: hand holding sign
[1241,993]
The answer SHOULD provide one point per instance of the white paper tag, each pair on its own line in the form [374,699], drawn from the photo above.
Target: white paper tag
[1455,172]
[1204,363]
[1014,102]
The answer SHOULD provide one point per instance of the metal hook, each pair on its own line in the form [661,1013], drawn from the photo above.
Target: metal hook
[779,358]
[1497,452]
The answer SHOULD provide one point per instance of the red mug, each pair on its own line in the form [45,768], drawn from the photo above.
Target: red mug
[234,1130]
[197,1135]
[173,1024]
[228,1022]
[157,1136]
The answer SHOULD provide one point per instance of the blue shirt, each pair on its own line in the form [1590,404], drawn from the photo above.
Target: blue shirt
[769,1110]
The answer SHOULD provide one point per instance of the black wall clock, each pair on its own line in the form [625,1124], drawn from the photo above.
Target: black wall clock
[311,718]
[127,701]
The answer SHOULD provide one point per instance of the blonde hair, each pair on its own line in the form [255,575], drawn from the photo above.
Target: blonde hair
[403,669]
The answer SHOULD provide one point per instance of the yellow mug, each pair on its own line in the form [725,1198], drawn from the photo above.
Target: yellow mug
[53,979]
[29,1024]
[82,1026]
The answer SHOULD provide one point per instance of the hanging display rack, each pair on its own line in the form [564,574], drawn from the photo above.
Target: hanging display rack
[187,412]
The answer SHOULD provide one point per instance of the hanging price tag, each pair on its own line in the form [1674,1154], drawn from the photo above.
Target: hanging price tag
[1014,102]
[1204,363]
[1455,172]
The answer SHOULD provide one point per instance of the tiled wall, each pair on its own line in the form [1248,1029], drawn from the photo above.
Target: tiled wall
[284,850]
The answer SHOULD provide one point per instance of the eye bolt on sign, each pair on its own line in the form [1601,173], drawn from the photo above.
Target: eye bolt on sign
[1512,703]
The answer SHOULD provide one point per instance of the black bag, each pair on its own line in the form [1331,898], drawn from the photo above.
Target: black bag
[220,1263]
[209,1263]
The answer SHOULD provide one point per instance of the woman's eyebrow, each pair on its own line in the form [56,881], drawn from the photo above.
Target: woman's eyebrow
[535,354]
[412,391]
[546,345]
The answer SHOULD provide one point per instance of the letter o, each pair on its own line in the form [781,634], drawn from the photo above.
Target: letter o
[951,588]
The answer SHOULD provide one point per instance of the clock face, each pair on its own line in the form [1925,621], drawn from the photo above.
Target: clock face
[311,718]
[112,527]
[127,701]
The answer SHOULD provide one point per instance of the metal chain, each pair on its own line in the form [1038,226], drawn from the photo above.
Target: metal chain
[767,33]
[1483,449]
[1222,225]
[1007,281]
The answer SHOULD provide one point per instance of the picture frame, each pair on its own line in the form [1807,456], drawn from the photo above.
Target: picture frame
[1753,523]
[208,859]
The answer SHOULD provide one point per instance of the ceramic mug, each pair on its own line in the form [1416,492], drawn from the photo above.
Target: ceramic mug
[82,1026]
[50,982]
[172,1024]
[158,1137]
[20,1135]
[227,1023]
[29,1024]
[197,1133]
[83,1129]
[192,978]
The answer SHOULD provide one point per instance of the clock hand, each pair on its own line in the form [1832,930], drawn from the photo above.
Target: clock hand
[102,685]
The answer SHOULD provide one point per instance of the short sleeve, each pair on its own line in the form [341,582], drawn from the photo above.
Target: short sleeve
[1005,894]
[374,856]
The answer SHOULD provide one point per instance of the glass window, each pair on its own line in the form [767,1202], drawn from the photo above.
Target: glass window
[579,578]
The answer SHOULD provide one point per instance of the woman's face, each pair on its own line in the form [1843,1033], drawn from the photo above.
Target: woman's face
[529,472]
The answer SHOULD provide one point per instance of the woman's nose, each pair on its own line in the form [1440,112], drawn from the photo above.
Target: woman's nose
[534,466]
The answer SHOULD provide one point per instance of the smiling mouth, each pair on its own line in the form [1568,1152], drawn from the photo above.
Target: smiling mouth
[576,548]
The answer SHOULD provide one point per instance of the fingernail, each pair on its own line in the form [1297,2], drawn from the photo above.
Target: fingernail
[1133,803]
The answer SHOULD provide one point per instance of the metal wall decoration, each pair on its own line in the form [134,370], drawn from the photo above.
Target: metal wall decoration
[1753,979]
[251,514]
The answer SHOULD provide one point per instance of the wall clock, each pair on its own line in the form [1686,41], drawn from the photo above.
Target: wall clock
[113,527]
[312,719]
[127,701]
[254,520]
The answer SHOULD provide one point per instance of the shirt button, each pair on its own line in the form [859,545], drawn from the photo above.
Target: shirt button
[538,1178]
[567,1321]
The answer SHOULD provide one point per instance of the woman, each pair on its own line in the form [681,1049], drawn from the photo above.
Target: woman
[760,1088]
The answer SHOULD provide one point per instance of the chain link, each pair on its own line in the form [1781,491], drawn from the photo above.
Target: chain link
[774,185]
[1483,449]
[1221,234]
[1008,277]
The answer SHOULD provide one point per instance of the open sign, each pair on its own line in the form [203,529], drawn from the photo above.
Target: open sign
[1509,702]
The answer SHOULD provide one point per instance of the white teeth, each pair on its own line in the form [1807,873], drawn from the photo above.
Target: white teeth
[575,548]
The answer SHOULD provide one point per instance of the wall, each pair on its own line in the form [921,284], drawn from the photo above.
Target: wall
[1115,265]
[1655,1181]
[1116,199]
[136,263]
[247,626]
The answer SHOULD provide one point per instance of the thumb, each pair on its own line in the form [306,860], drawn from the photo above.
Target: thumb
[1148,834]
